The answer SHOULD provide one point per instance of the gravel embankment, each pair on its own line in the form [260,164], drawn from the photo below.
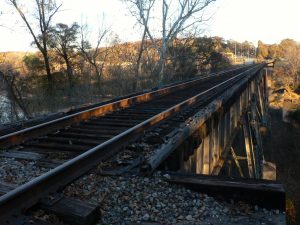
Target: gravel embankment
[152,200]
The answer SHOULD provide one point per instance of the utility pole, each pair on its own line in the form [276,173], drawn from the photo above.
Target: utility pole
[241,49]
[248,52]
[235,52]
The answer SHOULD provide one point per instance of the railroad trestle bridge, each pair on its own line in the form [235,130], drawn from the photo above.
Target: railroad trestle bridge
[226,135]
[206,133]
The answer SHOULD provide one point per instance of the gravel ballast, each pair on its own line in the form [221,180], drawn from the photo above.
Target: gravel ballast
[152,200]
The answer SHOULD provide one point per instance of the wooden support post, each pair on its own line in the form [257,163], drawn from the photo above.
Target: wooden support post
[186,156]
[206,155]
[237,162]
[192,146]
[252,147]
[229,167]
[211,145]
[248,146]
[216,153]
[232,115]
[260,100]
[219,165]
[221,133]
[181,157]
[258,147]
[199,158]
[227,126]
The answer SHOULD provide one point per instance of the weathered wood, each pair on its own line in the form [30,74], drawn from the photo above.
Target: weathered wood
[187,129]
[235,158]
[110,125]
[216,152]
[59,147]
[123,169]
[268,194]
[68,140]
[211,144]
[72,211]
[199,162]
[38,222]
[248,148]
[206,155]
[6,187]
[99,133]
[22,155]
[47,151]
[219,165]
[86,136]
[48,163]
[258,148]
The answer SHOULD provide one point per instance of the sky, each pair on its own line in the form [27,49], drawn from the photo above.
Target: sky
[252,20]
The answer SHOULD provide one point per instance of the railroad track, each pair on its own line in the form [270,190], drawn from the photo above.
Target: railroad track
[84,139]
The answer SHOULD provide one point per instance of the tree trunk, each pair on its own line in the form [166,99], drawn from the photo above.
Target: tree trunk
[48,71]
[98,76]
[161,67]
[70,73]
[12,94]
[139,62]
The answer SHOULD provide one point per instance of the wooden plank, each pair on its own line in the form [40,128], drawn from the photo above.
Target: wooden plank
[39,222]
[82,136]
[131,120]
[73,211]
[47,151]
[6,187]
[59,147]
[47,163]
[106,124]
[101,133]
[268,194]
[69,140]
[22,155]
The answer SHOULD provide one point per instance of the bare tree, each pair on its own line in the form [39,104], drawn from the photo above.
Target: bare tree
[136,13]
[8,78]
[44,12]
[175,17]
[95,56]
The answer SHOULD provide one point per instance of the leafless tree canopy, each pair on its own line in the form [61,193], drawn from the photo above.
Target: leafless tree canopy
[96,56]
[44,12]
[175,17]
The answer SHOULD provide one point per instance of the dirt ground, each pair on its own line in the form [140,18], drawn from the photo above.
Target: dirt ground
[283,148]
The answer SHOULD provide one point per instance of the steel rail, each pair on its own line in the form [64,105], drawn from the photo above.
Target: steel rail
[20,136]
[28,194]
